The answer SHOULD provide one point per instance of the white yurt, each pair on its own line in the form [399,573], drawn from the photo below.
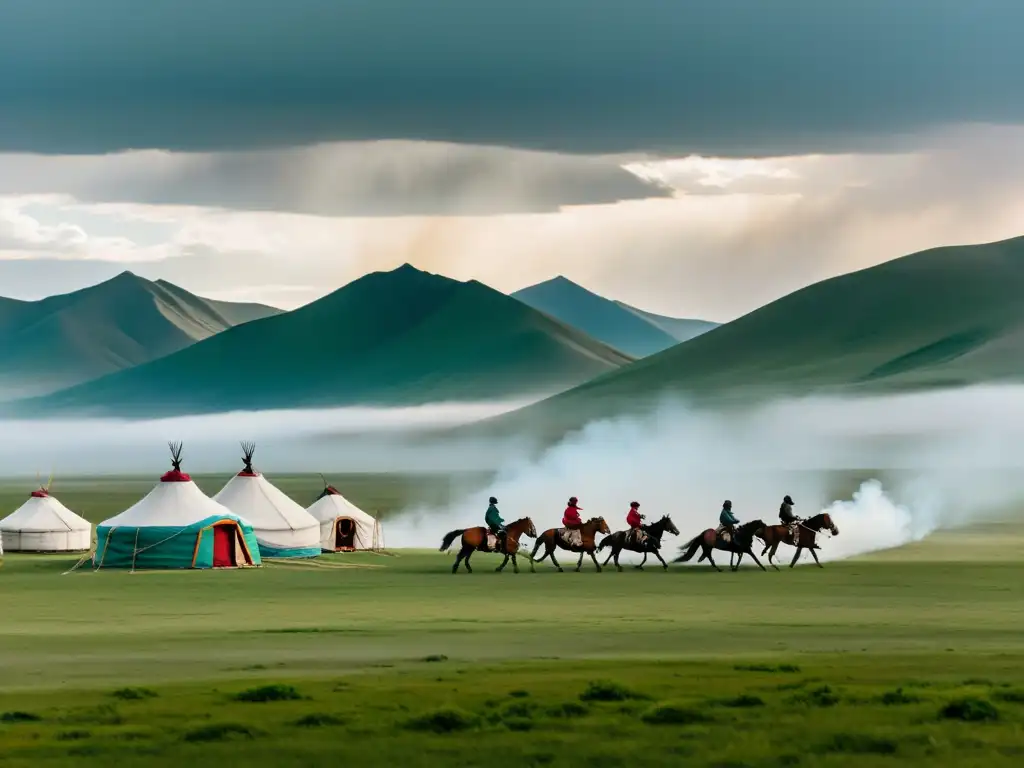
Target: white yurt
[176,525]
[43,524]
[282,527]
[344,527]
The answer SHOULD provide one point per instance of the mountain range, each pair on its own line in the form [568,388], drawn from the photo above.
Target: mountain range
[619,325]
[388,338]
[945,317]
[67,339]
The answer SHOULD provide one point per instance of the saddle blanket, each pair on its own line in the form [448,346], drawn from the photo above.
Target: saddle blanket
[571,537]
[492,541]
[723,534]
[794,530]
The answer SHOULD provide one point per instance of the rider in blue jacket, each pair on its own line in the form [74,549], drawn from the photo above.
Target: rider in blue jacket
[727,519]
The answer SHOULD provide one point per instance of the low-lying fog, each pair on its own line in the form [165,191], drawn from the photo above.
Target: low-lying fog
[890,469]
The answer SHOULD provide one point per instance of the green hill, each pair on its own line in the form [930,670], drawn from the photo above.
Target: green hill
[945,317]
[619,325]
[399,337]
[64,340]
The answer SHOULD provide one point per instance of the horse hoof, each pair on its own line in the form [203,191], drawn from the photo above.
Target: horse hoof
[560,570]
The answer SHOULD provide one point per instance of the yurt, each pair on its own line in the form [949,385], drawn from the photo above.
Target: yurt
[282,527]
[43,524]
[176,525]
[344,527]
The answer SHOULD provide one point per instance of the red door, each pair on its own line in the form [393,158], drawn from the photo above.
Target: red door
[223,546]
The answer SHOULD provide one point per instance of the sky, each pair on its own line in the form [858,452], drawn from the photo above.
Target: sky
[697,158]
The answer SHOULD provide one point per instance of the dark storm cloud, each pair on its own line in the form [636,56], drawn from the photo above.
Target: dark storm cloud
[707,76]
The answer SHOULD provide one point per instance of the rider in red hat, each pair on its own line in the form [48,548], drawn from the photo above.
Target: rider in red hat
[572,518]
[634,520]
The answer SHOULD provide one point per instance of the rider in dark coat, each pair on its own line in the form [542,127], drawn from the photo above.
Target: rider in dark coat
[786,515]
[728,520]
[495,524]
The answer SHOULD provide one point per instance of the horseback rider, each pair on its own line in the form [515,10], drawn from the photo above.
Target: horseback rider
[572,521]
[786,515]
[495,524]
[727,520]
[635,520]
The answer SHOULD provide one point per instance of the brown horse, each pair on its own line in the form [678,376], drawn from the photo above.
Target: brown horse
[710,540]
[806,533]
[475,540]
[551,540]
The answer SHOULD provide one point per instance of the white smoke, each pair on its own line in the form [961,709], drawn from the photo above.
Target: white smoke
[943,459]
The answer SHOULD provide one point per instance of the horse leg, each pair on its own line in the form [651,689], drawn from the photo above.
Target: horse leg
[796,557]
[738,560]
[579,565]
[751,553]
[504,562]
[594,558]
[469,555]
[641,566]
[515,565]
[614,553]
[658,555]
[619,567]
[551,552]
[458,559]
[815,556]
[707,554]
[775,548]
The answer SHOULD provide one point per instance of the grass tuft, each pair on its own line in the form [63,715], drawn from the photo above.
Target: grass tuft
[970,710]
[606,690]
[434,658]
[785,668]
[133,694]
[744,700]
[265,693]
[822,696]
[898,697]
[318,720]
[673,714]
[19,717]
[444,720]
[568,709]
[1012,696]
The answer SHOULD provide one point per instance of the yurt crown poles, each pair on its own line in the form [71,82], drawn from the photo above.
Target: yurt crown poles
[247,450]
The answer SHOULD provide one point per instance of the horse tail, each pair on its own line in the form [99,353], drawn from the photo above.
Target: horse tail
[691,549]
[449,537]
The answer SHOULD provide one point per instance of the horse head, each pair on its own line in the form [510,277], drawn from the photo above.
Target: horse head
[666,525]
[599,524]
[753,528]
[823,520]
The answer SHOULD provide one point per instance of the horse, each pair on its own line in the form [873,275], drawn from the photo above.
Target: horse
[710,540]
[618,542]
[551,540]
[475,540]
[806,533]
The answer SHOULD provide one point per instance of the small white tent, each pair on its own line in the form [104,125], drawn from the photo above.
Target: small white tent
[282,527]
[43,524]
[344,527]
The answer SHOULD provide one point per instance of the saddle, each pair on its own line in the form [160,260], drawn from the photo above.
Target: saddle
[794,529]
[492,541]
[723,533]
[571,537]
[637,536]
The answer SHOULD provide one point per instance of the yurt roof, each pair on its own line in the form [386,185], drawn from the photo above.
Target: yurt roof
[334,505]
[262,504]
[176,501]
[44,513]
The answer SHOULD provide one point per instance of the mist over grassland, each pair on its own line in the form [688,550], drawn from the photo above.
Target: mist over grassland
[939,459]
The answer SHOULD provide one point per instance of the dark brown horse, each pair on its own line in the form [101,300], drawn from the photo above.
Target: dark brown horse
[621,540]
[806,533]
[710,540]
[475,540]
[551,540]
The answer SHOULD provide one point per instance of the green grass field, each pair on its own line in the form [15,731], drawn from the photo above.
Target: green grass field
[911,656]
